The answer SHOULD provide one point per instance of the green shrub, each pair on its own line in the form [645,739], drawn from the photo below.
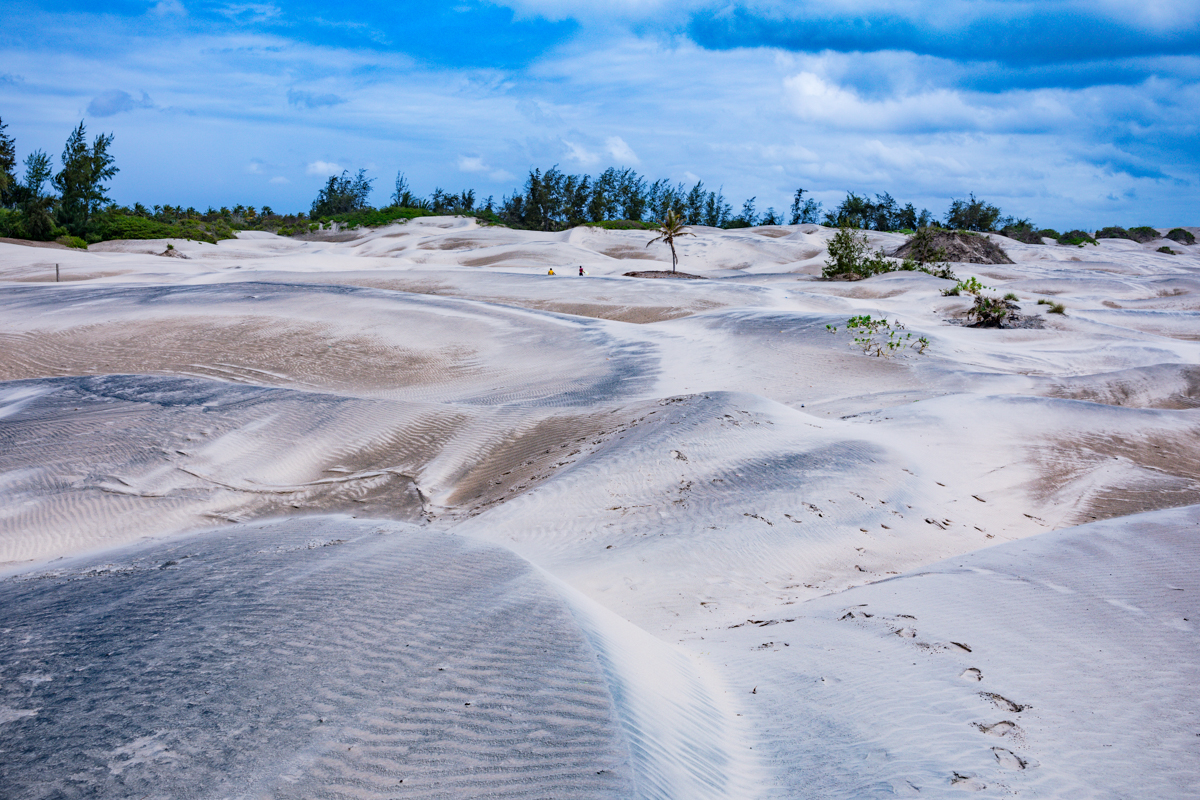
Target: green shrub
[1181,236]
[989,312]
[878,337]
[1165,249]
[849,256]
[1079,238]
[1022,232]
[72,241]
[1055,308]
[1143,234]
[1011,296]
[1048,233]
[1113,232]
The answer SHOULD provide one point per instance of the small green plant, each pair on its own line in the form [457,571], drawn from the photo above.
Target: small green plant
[1181,236]
[1167,250]
[1012,296]
[170,246]
[1055,308]
[878,337]
[989,312]
[969,286]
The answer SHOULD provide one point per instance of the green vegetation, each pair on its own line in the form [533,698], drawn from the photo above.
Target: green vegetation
[878,337]
[1011,296]
[1079,238]
[72,241]
[1181,236]
[1143,234]
[850,257]
[969,286]
[990,312]
[621,225]
[1167,250]
[1114,232]
[1055,308]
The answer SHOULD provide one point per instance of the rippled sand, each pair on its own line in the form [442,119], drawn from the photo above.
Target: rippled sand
[669,538]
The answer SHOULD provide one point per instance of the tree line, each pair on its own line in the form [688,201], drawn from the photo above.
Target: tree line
[73,202]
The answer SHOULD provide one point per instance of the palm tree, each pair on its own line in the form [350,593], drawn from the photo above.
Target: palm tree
[667,230]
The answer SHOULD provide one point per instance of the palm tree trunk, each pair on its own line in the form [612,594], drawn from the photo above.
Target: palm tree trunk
[674,258]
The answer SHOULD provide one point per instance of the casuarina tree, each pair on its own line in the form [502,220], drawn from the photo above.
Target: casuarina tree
[668,230]
[85,169]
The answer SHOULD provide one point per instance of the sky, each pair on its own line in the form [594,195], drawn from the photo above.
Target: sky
[1071,113]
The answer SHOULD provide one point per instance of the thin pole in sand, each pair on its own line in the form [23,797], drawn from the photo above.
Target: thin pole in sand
[56,273]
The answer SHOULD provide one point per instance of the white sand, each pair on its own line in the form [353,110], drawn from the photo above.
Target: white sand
[676,458]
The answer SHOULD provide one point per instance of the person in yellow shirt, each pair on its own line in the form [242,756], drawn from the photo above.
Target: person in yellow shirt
[551,272]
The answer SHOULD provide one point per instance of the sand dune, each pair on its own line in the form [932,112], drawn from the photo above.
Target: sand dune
[646,521]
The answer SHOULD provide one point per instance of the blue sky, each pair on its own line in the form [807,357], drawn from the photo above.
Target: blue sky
[1075,114]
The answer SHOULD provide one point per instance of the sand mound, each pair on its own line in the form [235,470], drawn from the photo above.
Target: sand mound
[962,247]
[663,273]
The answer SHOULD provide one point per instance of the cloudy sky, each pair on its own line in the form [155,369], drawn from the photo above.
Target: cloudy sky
[1075,113]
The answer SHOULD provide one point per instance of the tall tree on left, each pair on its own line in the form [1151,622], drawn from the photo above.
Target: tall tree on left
[8,163]
[81,183]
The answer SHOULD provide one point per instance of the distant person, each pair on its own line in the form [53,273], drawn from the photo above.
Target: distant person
[581,270]
[551,272]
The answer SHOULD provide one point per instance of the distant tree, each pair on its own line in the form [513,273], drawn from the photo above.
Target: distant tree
[804,211]
[770,217]
[37,172]
[81,182]
[342,195]
[8,163]
[403,196]
[747,218]
[695,204]
[717,212]
[668,231]
[972,215]
[266,211]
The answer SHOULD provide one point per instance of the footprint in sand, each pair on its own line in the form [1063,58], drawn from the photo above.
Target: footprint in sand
[1009,759]
[1002,728]
[1003,703]
[971,674]
[968,782]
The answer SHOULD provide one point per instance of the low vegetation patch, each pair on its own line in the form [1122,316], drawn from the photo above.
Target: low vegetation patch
[621,225]
[1079,238]
[1114,232]
[878,337]
[1055,308]
[72,241]
[965,247]
[1181,236]
[991,312]
[1143,234]
[1167,250]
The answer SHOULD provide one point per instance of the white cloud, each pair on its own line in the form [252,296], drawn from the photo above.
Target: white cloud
[622,152]
[168,8]
[279,180]
[472,164]
[323,168]
[581,154]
